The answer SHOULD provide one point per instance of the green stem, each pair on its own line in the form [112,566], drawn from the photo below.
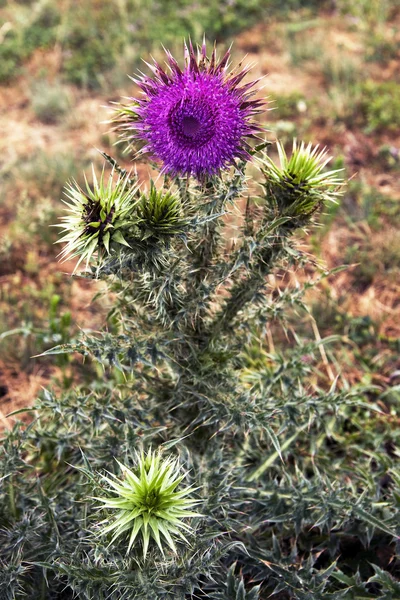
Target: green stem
[245,290]
[43,587]
[119,169]
[11,494]
[209,244]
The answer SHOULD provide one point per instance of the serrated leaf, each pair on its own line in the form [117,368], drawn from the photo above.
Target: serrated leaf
[374,521]
[271,459]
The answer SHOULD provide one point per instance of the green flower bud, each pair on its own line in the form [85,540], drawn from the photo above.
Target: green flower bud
[98,216]
[299,186]
[146,502]
[160,214]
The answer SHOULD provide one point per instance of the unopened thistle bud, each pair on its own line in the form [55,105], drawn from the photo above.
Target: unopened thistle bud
[160,214]
[299,186]
[98,216]
[146,501]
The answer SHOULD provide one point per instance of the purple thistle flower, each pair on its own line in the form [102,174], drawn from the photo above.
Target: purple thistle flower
[194,120]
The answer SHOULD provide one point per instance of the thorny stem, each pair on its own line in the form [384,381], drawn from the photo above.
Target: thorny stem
[204,254]
[123,172]
[245,290]
[11,493]
[44,589]
[208,245]
[183,189]
[207,248]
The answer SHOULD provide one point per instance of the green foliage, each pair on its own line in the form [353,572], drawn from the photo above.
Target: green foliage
[365,203]
[372,13]
[381,48]
[42,31]
[380,105]
[303,44]
[288,106]
[96,35]
[220,19]
[262,447]
[50,101]
[372,259]
[26,35]
[369,105]
[235,588]
[389,157]
[44,174]
[340,71]
[160,214]
[34,330]
[92,38]
[12,54]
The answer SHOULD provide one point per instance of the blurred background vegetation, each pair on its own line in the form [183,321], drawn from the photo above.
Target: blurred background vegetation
[332,77]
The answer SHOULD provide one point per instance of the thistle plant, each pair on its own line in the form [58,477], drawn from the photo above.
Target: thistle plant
[260,431]
[148,502]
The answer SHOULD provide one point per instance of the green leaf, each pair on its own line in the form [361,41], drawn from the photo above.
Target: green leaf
[374,521]
[271,459]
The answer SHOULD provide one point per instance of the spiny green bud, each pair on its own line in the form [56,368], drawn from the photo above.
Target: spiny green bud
[98,216]
[147,502]
[160,214]
[299,186]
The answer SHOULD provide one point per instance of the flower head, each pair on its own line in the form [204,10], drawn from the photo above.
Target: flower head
[148,502]
[299,186]
[194,120]
[160,214]
[97,216]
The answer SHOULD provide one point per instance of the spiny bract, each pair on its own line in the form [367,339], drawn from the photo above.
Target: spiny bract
[148,502]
